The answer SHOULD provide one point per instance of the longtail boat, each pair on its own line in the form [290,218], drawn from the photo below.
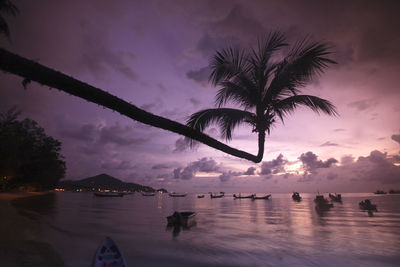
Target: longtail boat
[240,196]
[264,197]
[185,219]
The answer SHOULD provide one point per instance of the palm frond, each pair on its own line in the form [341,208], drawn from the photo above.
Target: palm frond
[267,46]
[304,61]
[239,90]
[260,57]
[288,105]
[226,64]
[7,8]
[226,118]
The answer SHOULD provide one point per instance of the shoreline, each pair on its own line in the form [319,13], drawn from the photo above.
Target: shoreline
[9,196]
[21,244]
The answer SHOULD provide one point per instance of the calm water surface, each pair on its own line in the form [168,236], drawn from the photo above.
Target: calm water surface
[275,232]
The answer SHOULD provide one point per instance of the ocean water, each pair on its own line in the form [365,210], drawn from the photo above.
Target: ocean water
[274,232]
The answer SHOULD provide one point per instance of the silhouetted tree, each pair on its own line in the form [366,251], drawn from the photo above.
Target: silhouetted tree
[33,71]
[27,154]
[6,8]
[264,87]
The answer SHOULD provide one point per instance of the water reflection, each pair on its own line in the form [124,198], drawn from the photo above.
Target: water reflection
[33,206]
[278,231]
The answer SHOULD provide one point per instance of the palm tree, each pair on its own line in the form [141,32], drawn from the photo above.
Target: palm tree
[6,7]
[232,70]
[263,87]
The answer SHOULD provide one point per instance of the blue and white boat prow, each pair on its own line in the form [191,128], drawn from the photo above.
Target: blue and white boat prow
[109,255]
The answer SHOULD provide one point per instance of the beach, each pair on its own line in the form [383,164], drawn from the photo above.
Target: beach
[21,244]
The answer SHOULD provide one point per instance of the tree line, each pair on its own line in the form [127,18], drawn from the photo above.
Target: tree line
[28,157]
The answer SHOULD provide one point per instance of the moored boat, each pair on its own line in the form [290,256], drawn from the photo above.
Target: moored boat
[322,203]
[185,219]
[240,196]
[108,254]
[108,194]
[367,205]
[264,197]
[173,194]
[380,192]
[336,197]
[296,196]
[220,195]
[148,194]
[200,196]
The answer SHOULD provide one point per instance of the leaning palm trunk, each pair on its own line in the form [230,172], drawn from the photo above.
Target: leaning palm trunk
[33,71]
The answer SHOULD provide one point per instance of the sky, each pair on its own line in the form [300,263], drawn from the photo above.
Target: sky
[155,55]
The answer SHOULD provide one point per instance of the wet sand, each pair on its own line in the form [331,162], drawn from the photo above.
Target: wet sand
[20,239]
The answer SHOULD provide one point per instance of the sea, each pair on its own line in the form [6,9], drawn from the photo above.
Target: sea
[228,231]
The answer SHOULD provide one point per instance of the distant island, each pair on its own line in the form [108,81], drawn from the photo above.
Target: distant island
[101,182]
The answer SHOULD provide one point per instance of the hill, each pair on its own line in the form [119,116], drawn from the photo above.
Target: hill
[102,182]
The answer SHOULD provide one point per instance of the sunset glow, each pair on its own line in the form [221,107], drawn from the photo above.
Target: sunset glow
[156,54]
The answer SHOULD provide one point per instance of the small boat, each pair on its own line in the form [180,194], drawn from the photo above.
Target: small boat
[322,203]
[380,192]
[185,219]
[108,194]
[220,195]
[108,254]
[173,194]
[367,205]
[296,196]
[240,196]
[200,196]
[264,197]
[394,191]
[148,194]
[336,197]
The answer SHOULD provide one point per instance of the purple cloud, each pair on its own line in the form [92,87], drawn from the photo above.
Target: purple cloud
[378,166]
[328,143]
[311,163]
[85,133]
[274,166]
[202,165]
[160,166]
[362,105]
[250,171]
[101,135]
[346,160]
[200,76]
[121,136]
[224,177]
[98,56]
[183,144]
[332,176]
